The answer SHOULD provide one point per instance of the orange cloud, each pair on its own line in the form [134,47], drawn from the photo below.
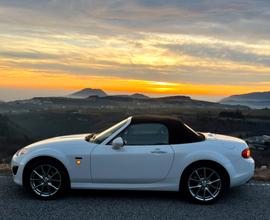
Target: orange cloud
[33,80]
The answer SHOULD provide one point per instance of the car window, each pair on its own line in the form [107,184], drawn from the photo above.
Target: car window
[145,134]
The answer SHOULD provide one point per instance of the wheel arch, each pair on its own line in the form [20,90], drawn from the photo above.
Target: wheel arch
[38,158]
[205,162]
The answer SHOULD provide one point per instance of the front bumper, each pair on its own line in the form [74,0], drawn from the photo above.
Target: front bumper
[17,169]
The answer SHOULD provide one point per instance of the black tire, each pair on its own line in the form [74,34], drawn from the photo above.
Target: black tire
[46,179]
[204,183]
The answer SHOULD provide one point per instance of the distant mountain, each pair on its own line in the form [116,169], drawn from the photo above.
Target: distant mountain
[178,98]
[85,93]
[133,96]
[139,96]
[253,100]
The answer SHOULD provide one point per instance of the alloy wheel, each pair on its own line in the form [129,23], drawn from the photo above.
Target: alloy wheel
[204,184]
[45,180]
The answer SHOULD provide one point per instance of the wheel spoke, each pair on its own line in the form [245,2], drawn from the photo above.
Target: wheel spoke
[198,192]
[214,187]
[34,179]
[41,184]
[56,172]
[197,174]
[214,181]
[195,180]
[208,178]
[48,171]
[40,176]
[42,189]
[48,189]
[55,180]
[51,185]
[193,187]
[211,194]
[204,173]
[42,169]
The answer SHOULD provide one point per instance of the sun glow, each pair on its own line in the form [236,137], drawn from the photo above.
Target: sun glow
[34,80]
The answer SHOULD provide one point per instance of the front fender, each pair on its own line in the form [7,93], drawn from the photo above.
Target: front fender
[46,152]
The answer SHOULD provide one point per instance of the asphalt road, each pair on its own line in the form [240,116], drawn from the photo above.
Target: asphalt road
[251,201]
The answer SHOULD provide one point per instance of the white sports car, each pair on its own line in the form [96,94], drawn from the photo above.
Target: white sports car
[138,153]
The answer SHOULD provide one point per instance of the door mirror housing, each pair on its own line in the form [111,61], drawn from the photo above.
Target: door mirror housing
[118,143]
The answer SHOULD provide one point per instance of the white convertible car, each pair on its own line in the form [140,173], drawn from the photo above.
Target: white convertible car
[138,153]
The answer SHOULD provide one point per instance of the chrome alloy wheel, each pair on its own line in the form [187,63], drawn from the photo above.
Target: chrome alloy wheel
[204,184]
[45,180]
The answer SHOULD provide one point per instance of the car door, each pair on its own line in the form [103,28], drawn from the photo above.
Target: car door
[145,157]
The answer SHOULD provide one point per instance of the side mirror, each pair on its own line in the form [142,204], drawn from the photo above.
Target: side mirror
[118,143]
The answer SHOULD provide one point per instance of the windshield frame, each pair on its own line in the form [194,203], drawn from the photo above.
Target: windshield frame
[198,134]
[112,132]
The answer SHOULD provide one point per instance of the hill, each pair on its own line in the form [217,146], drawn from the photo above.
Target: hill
[11,135]
[108,102]
[85,93]
[139,96]
[25,121]
[253,100]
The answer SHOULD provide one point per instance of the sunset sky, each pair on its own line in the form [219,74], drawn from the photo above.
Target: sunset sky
[207,49]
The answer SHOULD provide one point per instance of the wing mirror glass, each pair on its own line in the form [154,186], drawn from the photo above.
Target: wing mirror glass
[118,143]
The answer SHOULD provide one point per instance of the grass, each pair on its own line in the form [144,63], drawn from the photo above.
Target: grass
[5,169]
[261,174]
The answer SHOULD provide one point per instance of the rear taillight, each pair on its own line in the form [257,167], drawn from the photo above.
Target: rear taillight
[246,153]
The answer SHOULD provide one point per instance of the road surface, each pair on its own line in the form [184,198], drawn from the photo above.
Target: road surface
[251,201]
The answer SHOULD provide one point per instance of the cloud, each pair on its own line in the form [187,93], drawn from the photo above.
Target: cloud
[222,53]
[227,19]
[27,55]
[178,41]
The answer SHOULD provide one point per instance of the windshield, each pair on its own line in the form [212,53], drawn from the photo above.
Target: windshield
[99,138]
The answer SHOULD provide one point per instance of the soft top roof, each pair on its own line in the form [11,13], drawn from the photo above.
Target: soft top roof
[179,133]
[167,120]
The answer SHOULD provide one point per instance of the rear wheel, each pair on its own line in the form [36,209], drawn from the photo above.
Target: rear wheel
[204,183]
[46,179]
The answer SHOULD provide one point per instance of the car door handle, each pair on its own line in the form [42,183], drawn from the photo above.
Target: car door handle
[159,152]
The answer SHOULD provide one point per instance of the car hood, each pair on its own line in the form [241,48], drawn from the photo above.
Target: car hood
[61,139]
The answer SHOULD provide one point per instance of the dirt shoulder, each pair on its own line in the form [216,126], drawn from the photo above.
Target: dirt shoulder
[262,174]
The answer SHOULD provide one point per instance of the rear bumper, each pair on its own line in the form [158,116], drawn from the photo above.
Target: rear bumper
[246,173]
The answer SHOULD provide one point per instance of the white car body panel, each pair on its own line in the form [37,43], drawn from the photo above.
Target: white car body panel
[137,167]
[131,164]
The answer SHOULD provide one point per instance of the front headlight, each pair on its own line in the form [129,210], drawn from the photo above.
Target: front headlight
[21,152]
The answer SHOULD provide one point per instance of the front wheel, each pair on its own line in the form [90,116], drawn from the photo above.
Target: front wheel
[204,184]
[46,179]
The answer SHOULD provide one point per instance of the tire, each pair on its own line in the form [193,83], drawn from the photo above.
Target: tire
[46,179]
[204,183]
